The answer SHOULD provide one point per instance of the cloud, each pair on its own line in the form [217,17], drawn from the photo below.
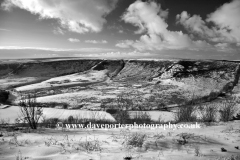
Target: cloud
[125,44]
[224,22]
[116,54]
[150,20]
[79,16]
[58,30]
[88,50]
[117,27]
[142,14]
[226,47]
[120,31]
[3,29]
[96,42]
[73,40]
[195,24]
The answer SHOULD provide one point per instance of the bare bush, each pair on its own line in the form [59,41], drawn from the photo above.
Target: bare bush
[135,139]
[141,117]
[208,112]
[184,138]
[30,111]
[67,144]
[228,109]
[186,114]
[197,151]
[90,146]
[19,156]
[236,157]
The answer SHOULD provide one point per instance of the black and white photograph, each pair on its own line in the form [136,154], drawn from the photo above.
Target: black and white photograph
[119,79]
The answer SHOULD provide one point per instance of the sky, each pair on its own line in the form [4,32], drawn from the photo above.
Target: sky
[148,29]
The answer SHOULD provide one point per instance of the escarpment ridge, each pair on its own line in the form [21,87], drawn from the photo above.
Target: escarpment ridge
[172,80]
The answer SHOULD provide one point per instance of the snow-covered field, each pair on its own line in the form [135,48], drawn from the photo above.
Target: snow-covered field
[68,80]
[71,98]
[13,112]
[204,143]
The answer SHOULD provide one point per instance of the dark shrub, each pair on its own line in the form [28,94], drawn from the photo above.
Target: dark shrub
[49,123]
[4,96]
[51,120]
[71,119]
[65,106]
[186,114]
[52,104]
[111,111]
[122,117]
[141,117]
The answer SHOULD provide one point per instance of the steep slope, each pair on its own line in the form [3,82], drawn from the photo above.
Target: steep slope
[147,70]
[46,69]
[113,67]
[18,74]
[170,81]
[143,70]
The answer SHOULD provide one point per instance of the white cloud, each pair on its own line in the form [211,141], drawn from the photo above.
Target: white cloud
[79,16]
[225,20]
[150,20]
[28,48]
[58,30]
[88,50]
[226,47]
[117,27]
[145,16]
[120,31]
[96,42]
[125,44]
[222,46]
[104,41]
[73,40]
[195,24]
[3,29]
[115,54]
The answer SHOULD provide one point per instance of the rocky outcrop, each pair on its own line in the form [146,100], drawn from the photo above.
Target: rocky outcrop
[171,71]
[143,70]
[113,67]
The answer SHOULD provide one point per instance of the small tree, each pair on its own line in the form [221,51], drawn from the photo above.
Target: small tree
[123,104]
[30,111]
[122,117]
